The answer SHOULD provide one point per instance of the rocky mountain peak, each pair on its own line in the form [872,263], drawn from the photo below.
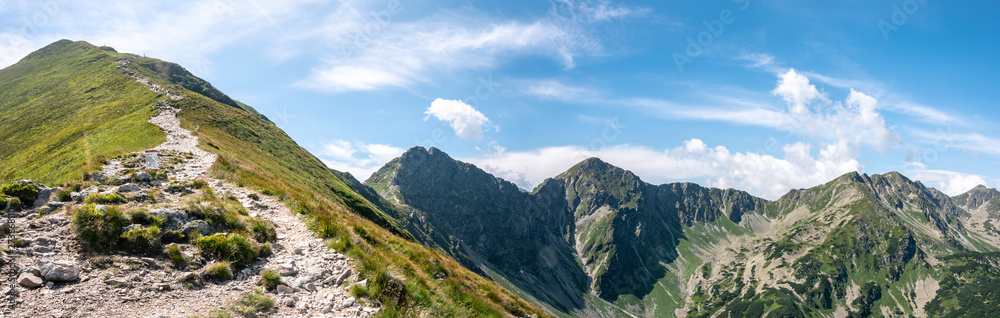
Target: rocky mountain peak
[977,197]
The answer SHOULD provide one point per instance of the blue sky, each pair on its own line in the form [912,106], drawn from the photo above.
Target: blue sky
[754,95]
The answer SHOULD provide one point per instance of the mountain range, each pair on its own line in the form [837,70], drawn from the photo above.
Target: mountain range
[598,241]
[441,237]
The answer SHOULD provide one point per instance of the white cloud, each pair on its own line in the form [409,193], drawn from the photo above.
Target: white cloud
[358,158]
[949,182]
[467,122]
[798,92]
[556,90]
[400,54]
[186,33]
[762,175]
[595,11]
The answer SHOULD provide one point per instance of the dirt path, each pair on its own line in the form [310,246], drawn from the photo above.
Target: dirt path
[124,286]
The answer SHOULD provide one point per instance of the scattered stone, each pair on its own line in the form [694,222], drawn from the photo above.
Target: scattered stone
[190,278]
[284,289]
[116,282]
[80,196]
[28,280]
[143,177]
[129,188]
[343,276]
[59,271]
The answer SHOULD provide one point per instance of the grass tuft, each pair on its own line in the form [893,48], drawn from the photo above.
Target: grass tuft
[270,278]
[173,251]
[234,248]
[254,304]
[98,230]
[219,271]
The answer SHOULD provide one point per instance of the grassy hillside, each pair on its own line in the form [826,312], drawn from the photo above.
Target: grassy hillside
[65,108]
[407,279]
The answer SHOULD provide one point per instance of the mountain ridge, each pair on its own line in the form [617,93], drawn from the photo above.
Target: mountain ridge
[617,243]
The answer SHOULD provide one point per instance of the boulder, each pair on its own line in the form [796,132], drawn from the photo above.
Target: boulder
[44,194]
[143,177]
[29,280]
[59,271]
[129,188]
[174,218]
[80,196]
[199,226]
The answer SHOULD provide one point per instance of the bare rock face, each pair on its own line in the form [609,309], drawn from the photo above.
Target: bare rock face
[59,271]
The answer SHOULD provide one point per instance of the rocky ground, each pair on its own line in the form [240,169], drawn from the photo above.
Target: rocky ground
[50,274]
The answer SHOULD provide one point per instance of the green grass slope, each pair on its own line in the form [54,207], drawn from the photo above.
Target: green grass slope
[66,107]
[407,279]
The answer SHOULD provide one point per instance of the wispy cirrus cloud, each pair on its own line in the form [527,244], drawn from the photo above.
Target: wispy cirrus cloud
[405,53]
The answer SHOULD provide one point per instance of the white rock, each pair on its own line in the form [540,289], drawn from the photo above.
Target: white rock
[59,271]
[29,280]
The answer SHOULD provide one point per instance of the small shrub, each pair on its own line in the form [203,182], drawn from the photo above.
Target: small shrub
[173,251]
[234,248]
[143,217]
[270,278]
[7,229]
[64,196]
[3,201]
[24,191]
[254,196]
[268,192]
[14,203]
[199,184]
[110,198]
[263,230]
[98,229]
[253,304]
[144,240]
[219,271]
[298,208]
[265,250]
[172,236]
[216,313]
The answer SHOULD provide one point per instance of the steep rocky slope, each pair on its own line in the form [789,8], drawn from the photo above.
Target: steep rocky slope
[598,241]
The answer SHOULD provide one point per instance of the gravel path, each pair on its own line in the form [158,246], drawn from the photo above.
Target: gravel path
[125,286]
